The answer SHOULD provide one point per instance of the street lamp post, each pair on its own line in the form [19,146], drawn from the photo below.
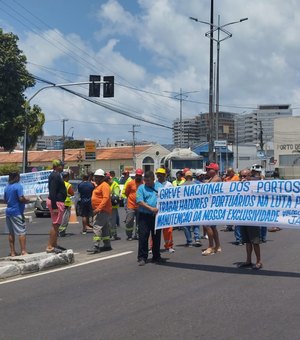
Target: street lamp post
[218,40]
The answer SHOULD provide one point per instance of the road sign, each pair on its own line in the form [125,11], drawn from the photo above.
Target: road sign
[261,154]
[90,150]
[220,143]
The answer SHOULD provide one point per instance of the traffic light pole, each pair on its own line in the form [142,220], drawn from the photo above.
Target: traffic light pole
[25,157]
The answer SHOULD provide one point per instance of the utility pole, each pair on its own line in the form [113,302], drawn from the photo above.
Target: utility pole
[261,144]
[133,131]
[181,96]
[211,85]
[63,140]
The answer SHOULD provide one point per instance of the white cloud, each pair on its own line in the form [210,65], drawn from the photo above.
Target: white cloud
[157,48]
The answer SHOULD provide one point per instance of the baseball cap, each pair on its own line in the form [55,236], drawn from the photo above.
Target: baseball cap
[57,162]
[139,172]
[200,172]
[99,172]
[161,171]
[213,166]
[188,173]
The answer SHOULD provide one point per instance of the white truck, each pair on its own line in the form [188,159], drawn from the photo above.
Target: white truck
[180,158]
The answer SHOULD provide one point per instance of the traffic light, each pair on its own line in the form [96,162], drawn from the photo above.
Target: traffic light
[108,86]
[94,88]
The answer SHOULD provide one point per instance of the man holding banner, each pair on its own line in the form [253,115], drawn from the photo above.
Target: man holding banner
[146,198]
[212,231]
[250,235]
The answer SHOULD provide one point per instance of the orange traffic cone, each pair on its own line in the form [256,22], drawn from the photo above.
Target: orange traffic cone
[73,216]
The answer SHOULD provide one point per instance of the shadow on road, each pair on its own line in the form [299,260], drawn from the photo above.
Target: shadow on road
[230,270]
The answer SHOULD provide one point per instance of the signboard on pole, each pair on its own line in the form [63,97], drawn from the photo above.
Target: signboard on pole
[90,150]
[220,143]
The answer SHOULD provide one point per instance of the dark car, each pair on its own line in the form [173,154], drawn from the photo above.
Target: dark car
[40,205]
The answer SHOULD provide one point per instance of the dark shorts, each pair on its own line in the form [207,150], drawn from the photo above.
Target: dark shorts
[86,209]
[250,234]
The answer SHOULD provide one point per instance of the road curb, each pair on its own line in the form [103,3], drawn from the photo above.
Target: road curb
[20,265]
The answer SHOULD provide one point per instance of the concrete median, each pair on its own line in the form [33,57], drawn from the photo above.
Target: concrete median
[20,265]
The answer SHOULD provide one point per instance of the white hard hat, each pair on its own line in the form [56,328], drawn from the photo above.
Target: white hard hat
[200,172]
[99,172]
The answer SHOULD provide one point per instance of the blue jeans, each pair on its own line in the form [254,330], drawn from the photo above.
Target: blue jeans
[188,233]
[263,233]
[237,233]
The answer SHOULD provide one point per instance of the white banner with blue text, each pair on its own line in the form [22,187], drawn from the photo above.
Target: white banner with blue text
[34,183]
[273,203]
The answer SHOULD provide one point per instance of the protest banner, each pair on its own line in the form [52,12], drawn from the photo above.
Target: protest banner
[273,203]
[34,183]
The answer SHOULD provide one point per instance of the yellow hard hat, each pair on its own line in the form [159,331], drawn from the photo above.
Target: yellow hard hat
[161,171]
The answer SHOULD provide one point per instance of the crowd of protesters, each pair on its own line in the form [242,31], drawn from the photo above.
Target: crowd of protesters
[98,204]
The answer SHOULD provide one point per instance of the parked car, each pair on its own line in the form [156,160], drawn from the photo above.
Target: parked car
[40,205]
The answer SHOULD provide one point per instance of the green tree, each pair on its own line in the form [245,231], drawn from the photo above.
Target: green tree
[14,80]
[74,144]
[35,120]
[7,168]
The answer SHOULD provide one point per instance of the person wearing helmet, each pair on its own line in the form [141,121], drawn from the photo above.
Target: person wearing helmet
[56,204]
[115,197]
[132,207]
[102,209]
[212,232]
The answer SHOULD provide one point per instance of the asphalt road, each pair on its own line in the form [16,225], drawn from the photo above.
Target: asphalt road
[189,297]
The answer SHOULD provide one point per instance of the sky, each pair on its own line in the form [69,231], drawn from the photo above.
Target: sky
[154,51]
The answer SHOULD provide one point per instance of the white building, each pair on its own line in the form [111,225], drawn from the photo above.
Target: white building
[287,146]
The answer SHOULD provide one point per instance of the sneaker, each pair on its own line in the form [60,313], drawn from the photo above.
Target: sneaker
[83,233]
[117,238]
[129,238]
[150,251]
[94,250]
[198,244]
[188,245]
[141,262]
[170,250]
[135,237]
[204,237]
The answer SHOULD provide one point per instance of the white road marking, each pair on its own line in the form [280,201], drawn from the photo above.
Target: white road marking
[66,268]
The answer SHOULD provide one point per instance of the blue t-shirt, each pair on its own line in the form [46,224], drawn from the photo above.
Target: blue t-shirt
[147,195]
[85,190]
[12,193]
